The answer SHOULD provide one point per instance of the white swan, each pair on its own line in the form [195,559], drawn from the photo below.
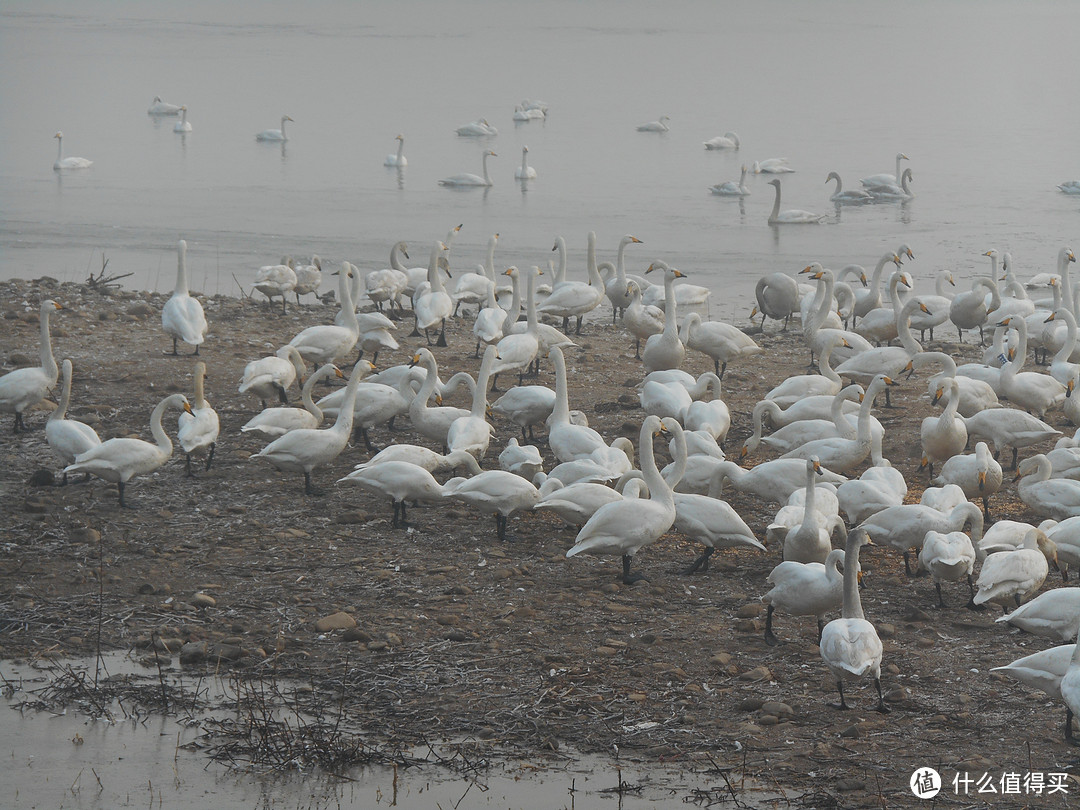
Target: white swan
[691,296]
[904,527]
[269,377]
[389,283]
[422,457]
[772,166]
[567,440]
[616,288]
[517,352]
[1070,187]
[25,387]
[472,433]
[1009,427]
[840,423]
[642,321]
[711,417]
[1034,392]
[274,134]
[850,646]
[433,423]
[401,481]
[159,107]
[949,558]
[274,422]
[798,387]
[68,162]
[884,179]
[521,459]
[945,435]
[308,278]
[729,140]
[804,589]
[433,306]
[1058,498]
[791,216]
[182,317]
[182,125]
[655,126]
[819,406]
[525,171]
[479,128]
[326,342]
[878,323]
[851,196]
[878,488]
[119,460]
[977,474]
[772,481]
[304,449]
[575,299]
[522,114]
[938,305]
[466,179]
[816,323]
[1012,576]
[721,341]
[969,310]
[1054,614]
[198,428]
[666,350]
[1044,671]
[577,502]
[624,527]
[893,191]
[810,539]
[397,159]
[974,395]
[68,438]
[496,491]
[889,360]
[276,281]
[732,189]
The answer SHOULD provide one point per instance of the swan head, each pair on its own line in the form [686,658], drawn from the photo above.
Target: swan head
[286,118]
[59,135]
[489,152]
[774,182]
[814,463]
[524,149]
[50,304]
[904,250]
[399,137]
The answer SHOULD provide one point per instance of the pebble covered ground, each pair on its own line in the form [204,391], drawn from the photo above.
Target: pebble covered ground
[442,632]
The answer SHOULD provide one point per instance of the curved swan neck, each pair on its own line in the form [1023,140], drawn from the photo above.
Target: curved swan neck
[161,438]
[561,412]
[65,395]
[490,269]
[343,423]
[825,360]
[309,386]
[59,147]
[1069,345]
[903,327]
[487,178]
[1014,366]
[400,148]
[531,319]
[776,204]
[348,304]
[524,161]
[395,259]
[560,244]
[679,457]
[671,325]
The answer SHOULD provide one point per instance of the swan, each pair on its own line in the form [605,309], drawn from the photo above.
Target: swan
[526,406]
[1034,392]
[397,159]
[479,128]
[732,189]
[25,387]
[772,481]
[466,179]
[729,140]
[881,324]
[851,196]
[623,527]
[949,558]
[433,423]
[434,305]
[969,310]
[869,299]
[666,350]
[938,305]
[495,490]
[517,352]
[1061,369]
[810,539]
[525,171]
[1009,427]
[68,438]
[973,394]
[1066,538]
[472,433]
[876,180]
[1012,576]
[878,488]
[159,107]
[422,457]
[892,191]
[977,474]
[68,162]
[269,377]
[793,513]
[389,283]
[577,502]
[274,134]
[842,454]
[655,126]
[772,166]
[182,125]
[567,440]
[308,278]
[616,288]
[488,326]
[945,435]
[814,329]
[712,417]
[304,449]
[643,321]
[665,399]
[1054,614]
[1070,187]
[473,288]
[692,296]
[575,299]
[819,406]
[890,360]
[798,387]
[274,422]
[838,424]
[521,459]
[401,481]
[777,297]
[276,281]
[850,646]
[377,402]
[905,526]
[805,589]
[1058,498]
[182,317]
[326,342]
[119,460]
[522,114]
[791,216]
[1044,671]
[721,341]
[198,428]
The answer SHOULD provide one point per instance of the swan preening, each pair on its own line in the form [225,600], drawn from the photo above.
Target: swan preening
[68,162]
[159,107]
[729,140]
[274,134]
[660,125]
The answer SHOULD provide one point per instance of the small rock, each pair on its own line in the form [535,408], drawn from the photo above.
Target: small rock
[85,535]
[356,634]
[146,589]
[192,653]
[42,478]
[377,645]
[224,652]
[777,708]
[607,652]
[850,783]
[457,635]
[720,660]
[885,630]
[751,704]
[335,621]
[852,731]
[352,516]
[35,506]
[203,600]
[394,640]
[486,733]
[749,611]
[760,673]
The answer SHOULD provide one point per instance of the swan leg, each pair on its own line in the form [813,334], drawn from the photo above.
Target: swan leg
[308,488]
[770,637]
[1068,726]
[907,563]
[281,395]
[940,601]
[843,703]
[187,465]
[820,629]
[19,425]
[415,330]
[477,352]
[971,600]
[881,707]
[494,381]
[637,348]
[284,301]
[702,563]
[367,441]
[210,455]
[174,352]
[579,320]
[626,578]
[442,334]
[1015,452]
[120,487]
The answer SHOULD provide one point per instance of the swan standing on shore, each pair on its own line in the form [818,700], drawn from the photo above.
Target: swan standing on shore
[397,159]
[805,589]
[467,179]
[182,317]
[274,134]
[198,428]
[68,162]
[119,460]
[269,377]
[275,422]
[25,387]
[792,216]
[68,438]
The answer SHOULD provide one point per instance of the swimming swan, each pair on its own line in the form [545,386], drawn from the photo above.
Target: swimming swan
[397,159]
[525,171]
[68,162]
[792,216]
[467,179]
[274,134]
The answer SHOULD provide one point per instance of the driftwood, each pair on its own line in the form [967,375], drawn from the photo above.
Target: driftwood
[101,281]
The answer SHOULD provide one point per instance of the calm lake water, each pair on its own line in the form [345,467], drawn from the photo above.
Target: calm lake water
[977,94]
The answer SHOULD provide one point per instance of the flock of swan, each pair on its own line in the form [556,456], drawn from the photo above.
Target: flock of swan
[823,430]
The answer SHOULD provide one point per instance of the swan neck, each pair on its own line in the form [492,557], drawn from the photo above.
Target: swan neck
[479,401]
[200,390]
[852,608]
[181,269]
[48,361]
[487,178]
[161,438]
[561,412]
[903,327]
[343,423]
[659,490]
[1067,348]
[671,326]
[65,396]
[530,302]
[309,386]
[514,312]
[776,204]
[620,266]
[825,363]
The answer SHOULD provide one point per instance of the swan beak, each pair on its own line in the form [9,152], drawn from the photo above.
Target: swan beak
[679,274]
[753,312]
[909,367]
[862,278]
[937,396]
[843,342]
[818,469]
[889,380]
[338,373]
[744,452]
[953,283]
[187,407]
[923,462]
[1072,256]
[415,360]
[808,269]
[896,260]
[1052,316]
[1005,322]
[1069,388]
[438,399]
[636,240]
[651,268]
[443,246]
[862,396]
[57,305]
[924,308]
[1018,476]
[982,481]
[507,272]
[1012,353]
